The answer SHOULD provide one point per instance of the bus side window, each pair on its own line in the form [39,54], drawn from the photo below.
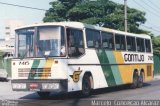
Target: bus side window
[140,45]
[93,38]
[120,42]
[107,40]
[75,42]
[148,45]
[131,45]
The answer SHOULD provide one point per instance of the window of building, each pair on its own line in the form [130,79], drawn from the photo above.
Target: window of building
[131,45]
[120,42]
[140,44]
[7,33]
[93,38]
[75,42]
[148,45]
[7,27]
[107,40]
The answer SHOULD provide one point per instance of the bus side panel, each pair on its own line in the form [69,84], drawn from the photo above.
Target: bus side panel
[97,74]
[126,71]
[108,68]
[130,61]
[87,63]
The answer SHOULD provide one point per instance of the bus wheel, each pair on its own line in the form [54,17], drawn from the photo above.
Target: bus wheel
[86,85]
[135,80]
[140,80]
[43,94]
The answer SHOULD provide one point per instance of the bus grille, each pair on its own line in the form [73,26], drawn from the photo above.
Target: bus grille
[40,72]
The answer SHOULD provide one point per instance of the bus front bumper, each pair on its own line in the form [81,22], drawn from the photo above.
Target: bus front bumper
[49,85]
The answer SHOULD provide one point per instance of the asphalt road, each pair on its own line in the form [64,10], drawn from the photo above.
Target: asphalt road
[150,91]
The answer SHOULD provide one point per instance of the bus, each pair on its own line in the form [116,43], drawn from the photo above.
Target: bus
[63,57]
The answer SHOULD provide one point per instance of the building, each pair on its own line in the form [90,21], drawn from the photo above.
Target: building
[7,45]
[10,28]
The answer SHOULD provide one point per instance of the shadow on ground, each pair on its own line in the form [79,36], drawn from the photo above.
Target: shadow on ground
[74,95]
[70,99]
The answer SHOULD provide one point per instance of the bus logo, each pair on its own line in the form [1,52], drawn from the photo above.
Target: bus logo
[75,76]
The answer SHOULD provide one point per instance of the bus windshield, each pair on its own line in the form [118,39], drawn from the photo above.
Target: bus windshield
[49,41]
[44,41]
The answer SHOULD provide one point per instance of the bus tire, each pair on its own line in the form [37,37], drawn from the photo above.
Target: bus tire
[86,85]
[140,80]
[135,80]
[43,94]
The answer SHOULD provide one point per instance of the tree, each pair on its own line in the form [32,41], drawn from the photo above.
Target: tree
[156,44]
[98,12]
[59,10]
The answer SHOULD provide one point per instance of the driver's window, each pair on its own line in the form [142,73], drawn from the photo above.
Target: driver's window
[75,42]
[25,42]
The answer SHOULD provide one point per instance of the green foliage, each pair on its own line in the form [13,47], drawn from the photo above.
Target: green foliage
[99,12]
[59,10]
[102,12]
[1,60]
[156,44]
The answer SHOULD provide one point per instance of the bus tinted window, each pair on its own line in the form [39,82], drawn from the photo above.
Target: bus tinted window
[148,45]
[49,41]
[131,46]
[120,42]
[140,44]
[75,42]
[25,42]
[107,40]
[93,38]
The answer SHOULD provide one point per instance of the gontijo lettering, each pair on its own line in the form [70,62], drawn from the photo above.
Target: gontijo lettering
[133,57]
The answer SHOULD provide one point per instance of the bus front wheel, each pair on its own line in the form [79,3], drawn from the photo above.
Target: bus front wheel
[43,94]
[86,85]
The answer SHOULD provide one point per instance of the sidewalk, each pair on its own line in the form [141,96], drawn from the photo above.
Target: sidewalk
[156,77]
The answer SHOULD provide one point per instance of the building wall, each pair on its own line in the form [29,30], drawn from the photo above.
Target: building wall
[8,44]
[10,26]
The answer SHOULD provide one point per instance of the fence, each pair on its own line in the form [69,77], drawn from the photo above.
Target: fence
[156,58]
[5,64]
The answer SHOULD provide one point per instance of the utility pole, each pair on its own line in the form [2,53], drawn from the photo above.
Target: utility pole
[125,15]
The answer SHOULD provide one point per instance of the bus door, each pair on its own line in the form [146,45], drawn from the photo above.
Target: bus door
[75,46]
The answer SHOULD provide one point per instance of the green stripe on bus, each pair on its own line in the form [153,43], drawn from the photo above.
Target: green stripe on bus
[42,64]
[115,69]
[106,68]
[34,66]
[41,67]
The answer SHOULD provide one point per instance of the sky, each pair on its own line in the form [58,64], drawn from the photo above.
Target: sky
[30,16]
[152,10]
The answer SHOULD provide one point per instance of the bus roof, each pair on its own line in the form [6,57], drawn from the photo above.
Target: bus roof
[82,25]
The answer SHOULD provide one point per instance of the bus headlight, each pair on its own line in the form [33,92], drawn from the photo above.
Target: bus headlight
[50,85]
[19,86]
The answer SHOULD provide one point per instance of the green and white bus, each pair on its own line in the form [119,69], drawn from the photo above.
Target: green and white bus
[64,57]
